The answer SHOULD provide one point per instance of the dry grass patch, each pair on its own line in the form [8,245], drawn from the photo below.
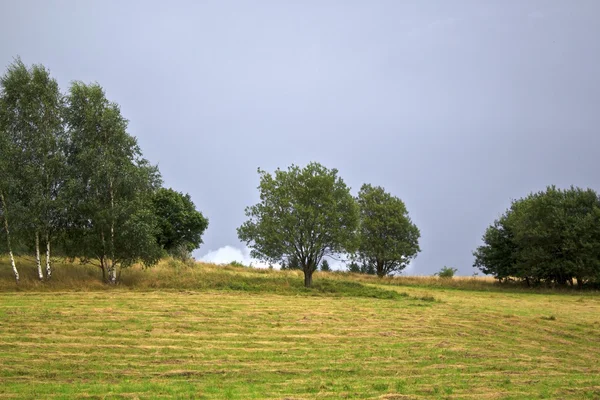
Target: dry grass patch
[143,340]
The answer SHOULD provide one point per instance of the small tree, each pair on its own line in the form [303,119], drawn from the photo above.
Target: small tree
[180,225]
[325,266]
[388,238]
[354,268]
[446,272]
[304,213]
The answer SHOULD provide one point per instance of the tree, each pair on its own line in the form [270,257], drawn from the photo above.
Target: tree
[446,272]
[551,236]
[388,239]
[325,266]
[180,225]
[306,213]
[32,113]
[497,256]
[110,186]
[354,268]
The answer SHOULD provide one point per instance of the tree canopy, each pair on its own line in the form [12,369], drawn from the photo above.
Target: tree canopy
[71,175]
[388,239]
[180,225]
[552,236]
[306,213]
[112,219]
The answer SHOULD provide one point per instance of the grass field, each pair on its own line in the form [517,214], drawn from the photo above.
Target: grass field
[233,333]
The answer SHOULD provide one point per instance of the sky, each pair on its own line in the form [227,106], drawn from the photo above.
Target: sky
[454,106]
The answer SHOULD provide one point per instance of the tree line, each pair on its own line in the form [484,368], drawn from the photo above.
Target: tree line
[551,237]
[74,183]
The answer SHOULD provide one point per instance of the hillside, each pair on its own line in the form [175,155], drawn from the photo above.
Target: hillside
[237,333]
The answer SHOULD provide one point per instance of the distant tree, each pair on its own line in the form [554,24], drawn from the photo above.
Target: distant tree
[354,268]
[388,238]
[306,213]
[551,236]
[446,272]
[110,186]
[180,225]
[33,121]
[325,266]
[367,268]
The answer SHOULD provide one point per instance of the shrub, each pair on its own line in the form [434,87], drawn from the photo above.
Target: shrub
[236,264]
[446,272]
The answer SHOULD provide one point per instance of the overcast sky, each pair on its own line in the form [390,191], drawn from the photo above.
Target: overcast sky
[454,106]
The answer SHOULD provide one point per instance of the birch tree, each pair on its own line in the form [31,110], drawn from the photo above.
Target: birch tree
[110,186]
[33,108]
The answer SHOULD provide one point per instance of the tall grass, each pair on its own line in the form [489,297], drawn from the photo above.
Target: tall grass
[177,275]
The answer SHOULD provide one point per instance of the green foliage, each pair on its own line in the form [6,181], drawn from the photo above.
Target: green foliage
[33,161]
[180,225]
[306,213]
[354,267]
[446,272]
[111,185]
[325,266]
[551,237]
[237,264]
[388,239]
[368,268]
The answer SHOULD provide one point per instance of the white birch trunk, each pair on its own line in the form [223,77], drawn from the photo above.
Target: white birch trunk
[13,265]
[113,267]
[48,267]
[38,261]
[10,253]
[112,274]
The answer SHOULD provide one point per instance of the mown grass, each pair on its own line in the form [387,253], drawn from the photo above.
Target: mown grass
[144,340]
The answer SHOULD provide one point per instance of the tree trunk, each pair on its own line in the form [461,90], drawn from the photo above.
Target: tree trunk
[48,267]
[103,268]
[307,278]
[10,253]
[579,282]
[38,261]
[113,270]
[112,273]
[380,271]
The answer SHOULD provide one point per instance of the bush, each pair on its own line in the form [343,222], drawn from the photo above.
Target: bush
[446,272]
[237,264]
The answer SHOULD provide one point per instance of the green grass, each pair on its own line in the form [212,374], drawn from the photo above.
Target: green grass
[238,333]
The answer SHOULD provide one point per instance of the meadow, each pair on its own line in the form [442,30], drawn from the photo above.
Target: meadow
[214,332]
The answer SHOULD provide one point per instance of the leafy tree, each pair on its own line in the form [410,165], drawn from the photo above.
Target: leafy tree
[354,268]
[388,238]
[325,266]
[446,272]
[497,256]
[549,236]
[367,268]
[306,213]
[180,225]
[32,113]
[6,151]
[111,186]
